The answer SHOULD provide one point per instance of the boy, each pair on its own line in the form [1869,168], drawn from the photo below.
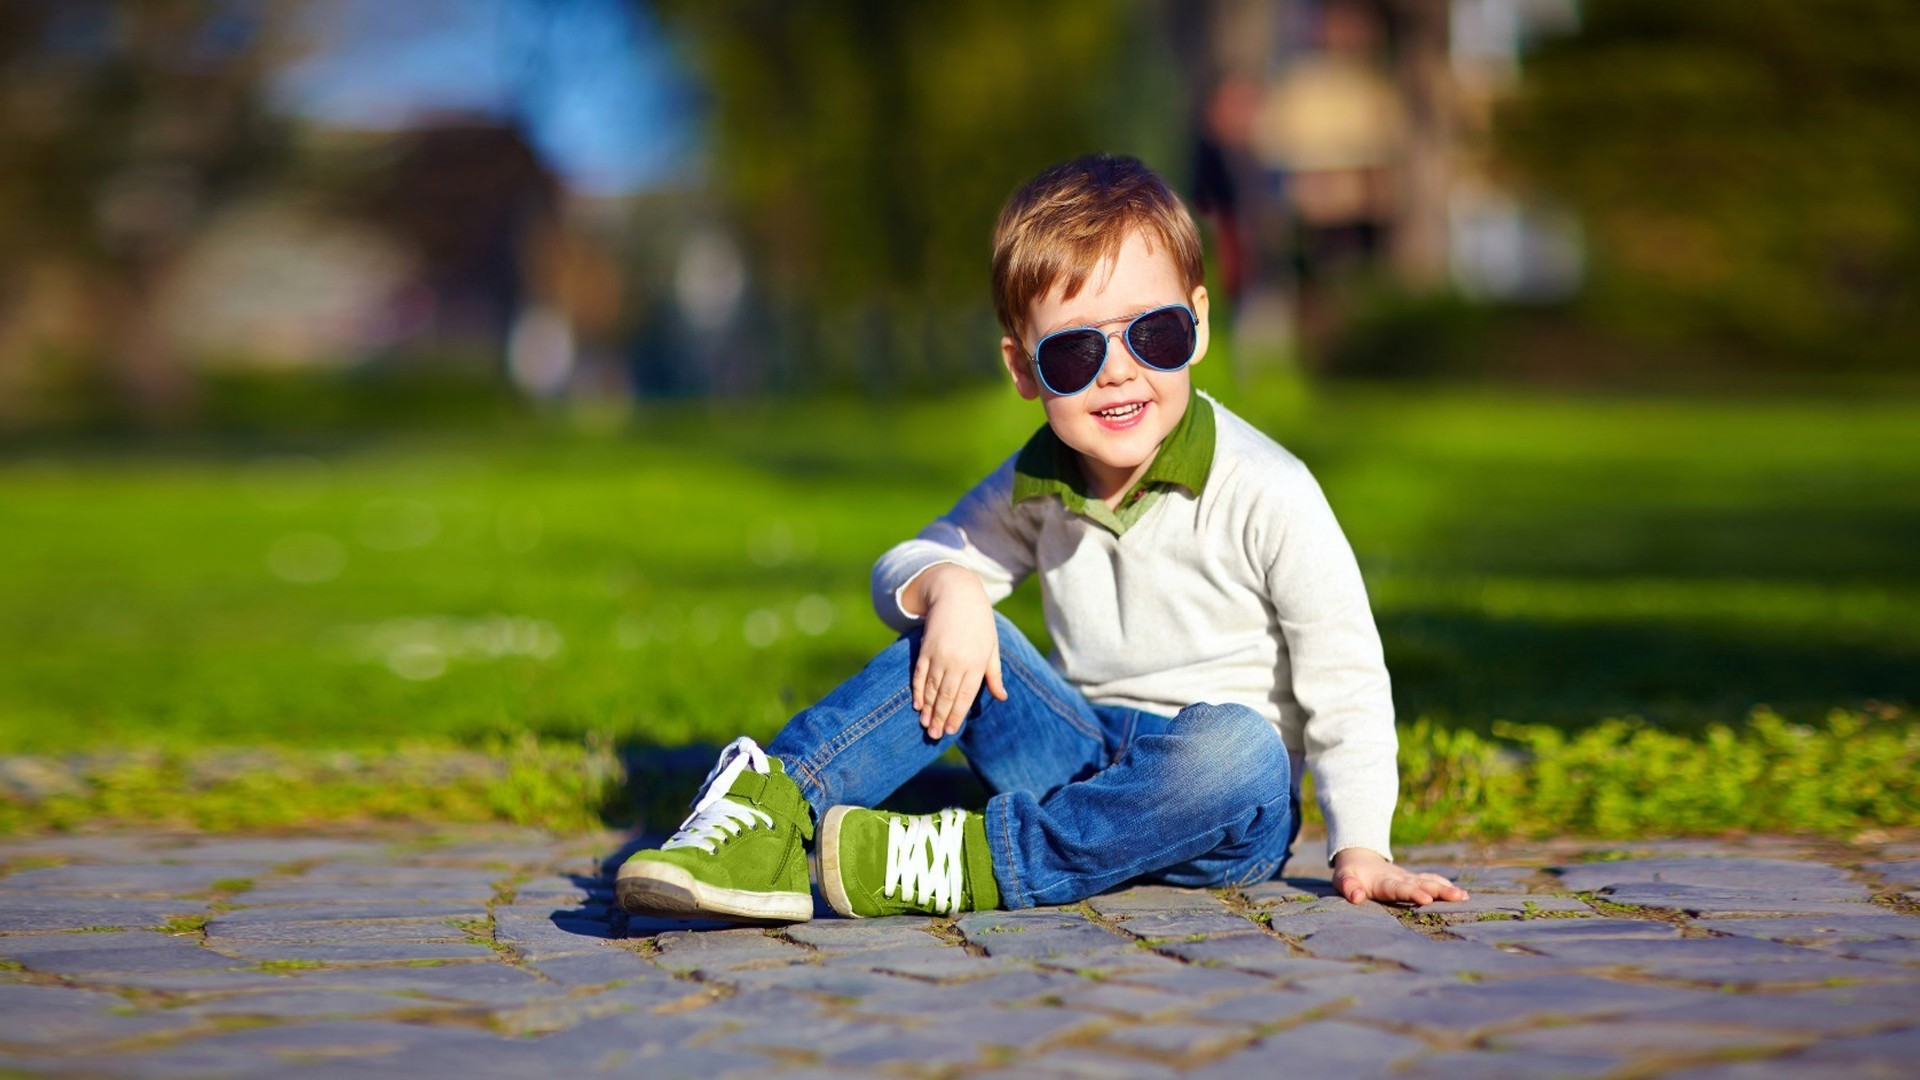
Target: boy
[1184,558]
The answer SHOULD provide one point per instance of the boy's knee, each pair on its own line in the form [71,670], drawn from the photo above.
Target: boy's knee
[1235,750]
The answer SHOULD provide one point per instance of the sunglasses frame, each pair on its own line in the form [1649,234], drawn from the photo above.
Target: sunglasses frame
[1106,342]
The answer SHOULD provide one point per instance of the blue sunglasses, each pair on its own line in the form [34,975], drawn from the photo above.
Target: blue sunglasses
[1069,360]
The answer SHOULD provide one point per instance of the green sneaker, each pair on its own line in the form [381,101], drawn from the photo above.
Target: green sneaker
[876,863]
[741,855]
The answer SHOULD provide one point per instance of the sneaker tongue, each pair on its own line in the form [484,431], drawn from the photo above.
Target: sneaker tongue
[750,786]
[775,793]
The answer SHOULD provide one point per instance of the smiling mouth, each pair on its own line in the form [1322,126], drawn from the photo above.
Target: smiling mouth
[1120,412]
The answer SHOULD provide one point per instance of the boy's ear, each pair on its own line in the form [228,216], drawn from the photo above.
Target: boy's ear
[1198,302]
[1015,359]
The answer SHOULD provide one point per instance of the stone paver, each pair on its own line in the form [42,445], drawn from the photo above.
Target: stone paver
[500,953]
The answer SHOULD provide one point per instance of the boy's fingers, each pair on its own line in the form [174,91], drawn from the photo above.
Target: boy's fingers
[929,701]
[957,708]
[943,704]
[995,685]
[919,685]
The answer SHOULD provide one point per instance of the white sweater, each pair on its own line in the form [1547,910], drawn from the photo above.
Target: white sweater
[1247,594]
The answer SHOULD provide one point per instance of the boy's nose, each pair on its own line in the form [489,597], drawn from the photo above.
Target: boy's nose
[1120,365]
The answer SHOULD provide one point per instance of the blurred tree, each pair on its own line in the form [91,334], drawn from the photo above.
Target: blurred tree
[1749,172]
[864,148]
[125,124]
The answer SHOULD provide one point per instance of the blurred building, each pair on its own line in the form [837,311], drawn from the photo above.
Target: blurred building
[458,250]
[1341,142]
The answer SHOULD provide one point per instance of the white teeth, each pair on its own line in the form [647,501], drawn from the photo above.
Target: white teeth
[1120,412]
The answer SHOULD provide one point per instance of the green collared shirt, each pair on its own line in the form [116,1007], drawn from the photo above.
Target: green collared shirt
[1047,466]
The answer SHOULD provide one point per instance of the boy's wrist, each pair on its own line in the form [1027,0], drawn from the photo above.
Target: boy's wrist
[1354,857]
[920,594]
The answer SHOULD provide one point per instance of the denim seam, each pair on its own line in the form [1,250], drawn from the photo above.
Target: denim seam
[1133,867]
[1045,693]
[820,758]
[1263,869]
[1006,842]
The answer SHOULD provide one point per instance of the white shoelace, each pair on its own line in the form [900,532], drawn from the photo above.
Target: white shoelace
[923,859]
[715,817]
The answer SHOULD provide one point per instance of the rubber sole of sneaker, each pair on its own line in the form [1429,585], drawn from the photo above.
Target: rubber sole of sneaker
[652,888]
[834,889]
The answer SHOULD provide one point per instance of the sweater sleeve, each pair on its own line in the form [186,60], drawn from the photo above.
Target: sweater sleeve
[983,532]
[1338,669]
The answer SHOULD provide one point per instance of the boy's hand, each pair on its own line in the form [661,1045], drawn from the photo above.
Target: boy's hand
[959,647]
[1360,874]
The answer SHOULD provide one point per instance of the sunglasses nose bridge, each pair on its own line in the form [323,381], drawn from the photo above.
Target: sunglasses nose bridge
[1121,353]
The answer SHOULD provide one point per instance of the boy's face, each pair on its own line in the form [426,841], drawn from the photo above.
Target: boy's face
[1116,425]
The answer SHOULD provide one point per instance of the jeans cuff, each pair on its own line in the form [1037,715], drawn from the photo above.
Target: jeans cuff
[1000,846]
[810,788]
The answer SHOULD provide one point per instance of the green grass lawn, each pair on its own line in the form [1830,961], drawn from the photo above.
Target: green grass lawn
[702,572]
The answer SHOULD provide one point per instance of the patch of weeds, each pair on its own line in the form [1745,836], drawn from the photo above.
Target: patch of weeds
[1095,974]
[221,907]
[1469,976]
[1850,771]
[1196,937]
[20,863]
[13,967]
[1896,901]
[425,963]
[1607,907]
[184,924]
[1531,909]
[1604,855]
[507,888]
[1496,916]
[288,967]
[1051,1001]
[1004,928]
[98,929]
[1263,917]
[946,930]
[232,886]
[480,932]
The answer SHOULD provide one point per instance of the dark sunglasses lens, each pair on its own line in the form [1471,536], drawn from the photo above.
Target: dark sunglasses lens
[1163,339]
[1069,361]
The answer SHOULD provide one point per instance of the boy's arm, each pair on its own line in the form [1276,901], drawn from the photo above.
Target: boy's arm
[1340,682]
[1339,673]
[948,578]
[981,533]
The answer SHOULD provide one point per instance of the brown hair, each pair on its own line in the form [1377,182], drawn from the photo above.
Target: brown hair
[1063,223]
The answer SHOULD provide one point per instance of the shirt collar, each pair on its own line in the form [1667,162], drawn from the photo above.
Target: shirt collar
[1047,466]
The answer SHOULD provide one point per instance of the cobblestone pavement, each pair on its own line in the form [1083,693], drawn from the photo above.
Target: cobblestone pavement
[487,954]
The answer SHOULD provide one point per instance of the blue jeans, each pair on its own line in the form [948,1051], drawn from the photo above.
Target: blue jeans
[1085,796]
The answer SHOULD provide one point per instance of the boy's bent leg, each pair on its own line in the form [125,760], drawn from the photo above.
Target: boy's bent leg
[1209,796]
[864,739]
